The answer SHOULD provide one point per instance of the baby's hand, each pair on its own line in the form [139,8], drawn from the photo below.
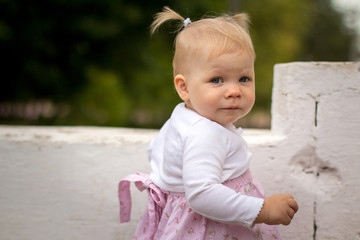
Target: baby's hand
[278,209]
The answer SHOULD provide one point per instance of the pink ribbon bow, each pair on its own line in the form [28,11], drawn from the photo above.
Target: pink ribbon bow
[142,182]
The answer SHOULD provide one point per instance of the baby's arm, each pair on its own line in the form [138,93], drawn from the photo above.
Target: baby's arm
[205,150]
[278,209]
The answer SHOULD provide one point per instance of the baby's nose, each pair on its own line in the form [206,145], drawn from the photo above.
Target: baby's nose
[233,91]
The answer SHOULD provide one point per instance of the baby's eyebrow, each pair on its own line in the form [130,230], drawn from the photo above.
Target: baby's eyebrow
[222,69]
[216,70]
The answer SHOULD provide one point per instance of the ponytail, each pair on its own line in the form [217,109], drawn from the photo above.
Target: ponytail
[166,15]
[241,19]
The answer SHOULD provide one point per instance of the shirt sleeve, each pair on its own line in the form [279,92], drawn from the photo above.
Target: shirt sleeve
[205,150]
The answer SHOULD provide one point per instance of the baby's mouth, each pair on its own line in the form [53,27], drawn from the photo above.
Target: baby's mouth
[231,108]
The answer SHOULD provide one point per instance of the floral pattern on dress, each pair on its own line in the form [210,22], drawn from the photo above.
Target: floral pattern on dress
[177,221]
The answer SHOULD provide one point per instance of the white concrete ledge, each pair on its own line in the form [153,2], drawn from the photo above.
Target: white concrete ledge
[61,182]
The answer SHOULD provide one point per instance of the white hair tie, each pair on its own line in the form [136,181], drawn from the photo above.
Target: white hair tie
[187,21]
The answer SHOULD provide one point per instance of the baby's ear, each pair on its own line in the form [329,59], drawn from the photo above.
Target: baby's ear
[181,87]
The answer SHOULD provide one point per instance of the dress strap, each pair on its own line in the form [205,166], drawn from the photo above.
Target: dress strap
[142,182]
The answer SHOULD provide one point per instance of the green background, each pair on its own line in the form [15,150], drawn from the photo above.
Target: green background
[92,62]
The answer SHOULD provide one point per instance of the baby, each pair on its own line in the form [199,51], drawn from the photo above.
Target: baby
[200,185]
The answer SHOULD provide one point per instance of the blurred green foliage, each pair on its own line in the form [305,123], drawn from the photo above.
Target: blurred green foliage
[95,62]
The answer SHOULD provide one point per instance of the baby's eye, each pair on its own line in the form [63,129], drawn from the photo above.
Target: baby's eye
[216,80]
[244,79]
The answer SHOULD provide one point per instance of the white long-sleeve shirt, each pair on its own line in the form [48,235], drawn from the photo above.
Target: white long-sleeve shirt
[193,154]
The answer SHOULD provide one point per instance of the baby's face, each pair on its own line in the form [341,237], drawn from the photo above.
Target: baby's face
[222,88]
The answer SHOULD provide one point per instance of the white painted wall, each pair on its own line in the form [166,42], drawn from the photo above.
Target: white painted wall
[320,162]
[61,182]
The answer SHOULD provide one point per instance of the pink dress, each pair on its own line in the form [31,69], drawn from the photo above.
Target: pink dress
[168,215]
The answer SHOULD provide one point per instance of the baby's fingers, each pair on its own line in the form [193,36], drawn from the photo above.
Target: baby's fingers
[291,213]
[293,204]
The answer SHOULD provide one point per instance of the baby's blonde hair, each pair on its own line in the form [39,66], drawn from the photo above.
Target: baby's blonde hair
[213,36]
